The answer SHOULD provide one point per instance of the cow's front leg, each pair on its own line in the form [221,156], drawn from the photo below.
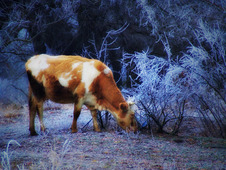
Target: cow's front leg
[95,122]
[77,110]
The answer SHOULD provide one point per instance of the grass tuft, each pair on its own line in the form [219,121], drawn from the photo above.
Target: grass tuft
[5,156]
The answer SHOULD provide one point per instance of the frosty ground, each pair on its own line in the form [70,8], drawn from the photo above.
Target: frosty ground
[58,148]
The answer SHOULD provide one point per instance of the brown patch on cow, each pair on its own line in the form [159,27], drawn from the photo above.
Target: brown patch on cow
[65,61]
[73,84]
[107,93]
[56,92]
[63,64]
[76,79]
[80,90]
[37,87]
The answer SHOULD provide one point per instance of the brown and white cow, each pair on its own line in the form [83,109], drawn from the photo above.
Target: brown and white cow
[78,80]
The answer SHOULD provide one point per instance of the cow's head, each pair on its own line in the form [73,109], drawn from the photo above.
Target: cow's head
[127,121]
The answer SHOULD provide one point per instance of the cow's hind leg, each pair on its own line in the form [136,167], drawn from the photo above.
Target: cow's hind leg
[32,114]
[95,122]
[40,115]
[77,110]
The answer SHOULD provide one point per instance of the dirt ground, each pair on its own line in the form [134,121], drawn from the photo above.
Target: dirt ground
[58,148]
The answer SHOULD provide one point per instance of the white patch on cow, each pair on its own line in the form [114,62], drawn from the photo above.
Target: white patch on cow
[107,70]
[37,64]
[89,73]
[67,74]
[64,79]
[75,65]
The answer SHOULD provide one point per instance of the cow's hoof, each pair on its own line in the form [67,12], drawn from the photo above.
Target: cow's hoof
[33,133]
[97,130]
[74,130]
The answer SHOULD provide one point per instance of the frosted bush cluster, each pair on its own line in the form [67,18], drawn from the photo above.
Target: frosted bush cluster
[165,88]
[159,89]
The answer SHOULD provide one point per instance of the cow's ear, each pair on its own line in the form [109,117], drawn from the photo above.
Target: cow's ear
[124,106]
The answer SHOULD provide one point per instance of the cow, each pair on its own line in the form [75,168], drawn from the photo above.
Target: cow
[78,80]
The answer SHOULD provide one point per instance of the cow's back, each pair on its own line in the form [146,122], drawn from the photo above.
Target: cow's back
[55,77]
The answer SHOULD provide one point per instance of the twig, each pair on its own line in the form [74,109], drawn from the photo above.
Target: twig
[19,90]
[154,118]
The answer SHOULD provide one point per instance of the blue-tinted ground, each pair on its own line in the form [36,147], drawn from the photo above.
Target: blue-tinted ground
[109,149]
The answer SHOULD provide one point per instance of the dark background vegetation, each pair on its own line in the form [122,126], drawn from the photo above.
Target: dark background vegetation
[168,55]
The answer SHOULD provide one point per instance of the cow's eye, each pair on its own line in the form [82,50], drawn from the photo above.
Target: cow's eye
[122,123]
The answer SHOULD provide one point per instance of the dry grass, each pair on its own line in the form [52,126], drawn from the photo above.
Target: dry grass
[110,149]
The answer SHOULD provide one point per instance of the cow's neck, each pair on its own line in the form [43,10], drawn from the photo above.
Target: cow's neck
[112,98]
[107,93]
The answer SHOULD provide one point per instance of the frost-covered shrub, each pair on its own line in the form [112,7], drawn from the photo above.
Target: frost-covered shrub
[205,64]
[160,90]
[164,88]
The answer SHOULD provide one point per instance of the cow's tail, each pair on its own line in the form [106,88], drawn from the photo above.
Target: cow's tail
[30,96]
[29,92]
